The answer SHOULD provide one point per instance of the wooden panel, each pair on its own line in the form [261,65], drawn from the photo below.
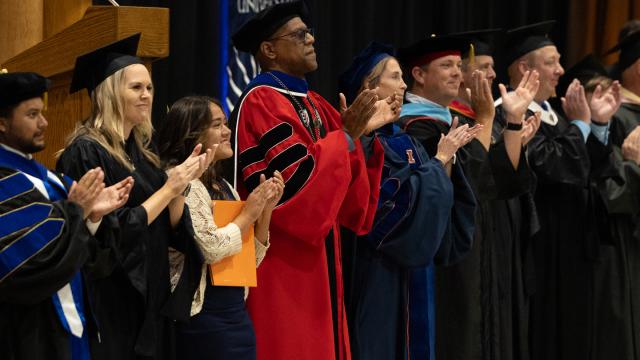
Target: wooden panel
[614,17]
[101,25]
[60,14]
[20,26]
[154,42]
[55,56]
[580,35]
[64,112]
[594,25]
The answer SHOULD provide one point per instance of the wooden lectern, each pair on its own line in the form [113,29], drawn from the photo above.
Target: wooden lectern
[54,57]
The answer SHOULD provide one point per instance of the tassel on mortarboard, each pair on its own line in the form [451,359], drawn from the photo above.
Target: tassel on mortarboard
[472,54]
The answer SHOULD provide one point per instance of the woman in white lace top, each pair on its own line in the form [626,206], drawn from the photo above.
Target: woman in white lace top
[219,327]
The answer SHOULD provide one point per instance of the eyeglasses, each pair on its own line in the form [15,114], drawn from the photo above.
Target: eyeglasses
[299,35]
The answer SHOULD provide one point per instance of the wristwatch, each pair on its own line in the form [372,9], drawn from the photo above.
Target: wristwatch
[513,126]
[186,190]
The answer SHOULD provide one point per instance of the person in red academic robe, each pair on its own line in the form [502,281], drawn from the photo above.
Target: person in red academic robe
[332,180]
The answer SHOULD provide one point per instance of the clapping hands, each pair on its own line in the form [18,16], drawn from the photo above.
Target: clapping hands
[605,103]
[94,198]
[515,103]
[192,168]
[530,127]
[481,99]
[387,111]
[355,118]
[574,103]
[111,198]
[262,200]
[457,137]
[631,146]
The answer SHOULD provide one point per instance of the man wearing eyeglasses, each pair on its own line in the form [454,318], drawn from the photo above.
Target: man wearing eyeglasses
[298,309]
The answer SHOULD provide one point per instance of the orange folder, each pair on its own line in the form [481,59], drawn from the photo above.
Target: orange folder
[238,269]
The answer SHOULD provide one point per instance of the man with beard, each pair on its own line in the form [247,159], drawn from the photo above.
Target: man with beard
[43,236]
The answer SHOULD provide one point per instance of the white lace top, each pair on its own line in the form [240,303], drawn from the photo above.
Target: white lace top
[215,243]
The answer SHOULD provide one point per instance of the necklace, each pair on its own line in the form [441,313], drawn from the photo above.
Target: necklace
[313,127]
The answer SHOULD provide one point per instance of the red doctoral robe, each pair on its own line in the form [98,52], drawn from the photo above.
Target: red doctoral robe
[326,186]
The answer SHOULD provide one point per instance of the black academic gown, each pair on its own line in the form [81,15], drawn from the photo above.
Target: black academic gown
[29,323]
[569,242]
[134,307]
[616,315]
[514,224]
[427,131]
[481,303]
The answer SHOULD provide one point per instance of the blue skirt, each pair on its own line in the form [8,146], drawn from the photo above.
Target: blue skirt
[222,330]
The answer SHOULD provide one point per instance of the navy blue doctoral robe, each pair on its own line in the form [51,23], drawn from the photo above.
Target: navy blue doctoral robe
[412,227]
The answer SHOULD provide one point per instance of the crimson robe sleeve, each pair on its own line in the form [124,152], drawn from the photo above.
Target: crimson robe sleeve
[318,175]
[359,208]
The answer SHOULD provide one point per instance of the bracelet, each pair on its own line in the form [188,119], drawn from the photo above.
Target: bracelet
[514,127]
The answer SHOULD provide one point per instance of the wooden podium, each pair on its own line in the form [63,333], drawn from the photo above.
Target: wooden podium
[54,57]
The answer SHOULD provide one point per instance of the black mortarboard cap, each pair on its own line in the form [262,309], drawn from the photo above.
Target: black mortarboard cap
[525,39]
[584,70]
[629,48]
[20,86]
[93,68]
[428,49]
[351,80]
[483,41]
[265,23]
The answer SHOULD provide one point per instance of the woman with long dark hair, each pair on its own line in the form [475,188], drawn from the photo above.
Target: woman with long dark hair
[220,327]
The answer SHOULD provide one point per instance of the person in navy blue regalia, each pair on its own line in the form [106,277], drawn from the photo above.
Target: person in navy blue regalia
[47,224]
[432,67]
[419,208]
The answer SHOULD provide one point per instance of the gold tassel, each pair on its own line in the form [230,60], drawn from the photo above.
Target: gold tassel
[472,54]
[45,100]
